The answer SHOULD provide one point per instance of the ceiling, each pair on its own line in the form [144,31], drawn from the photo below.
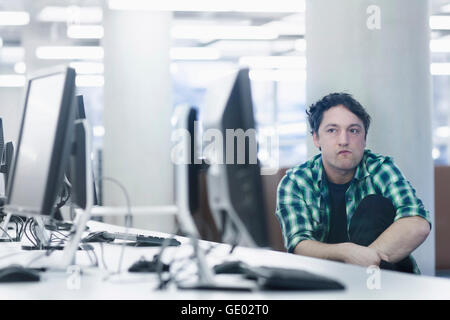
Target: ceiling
[289,26]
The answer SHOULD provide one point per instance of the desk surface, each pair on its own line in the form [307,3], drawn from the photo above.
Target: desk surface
[98,283]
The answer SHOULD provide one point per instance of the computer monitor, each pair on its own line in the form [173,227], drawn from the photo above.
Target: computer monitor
[234,183]
[6,161]
[80,111]
[2,176]
[44,143]
[187,166]
[76,171]
[44,146]
[2,139]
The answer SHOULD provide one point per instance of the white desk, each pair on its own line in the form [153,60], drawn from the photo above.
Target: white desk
[94,285]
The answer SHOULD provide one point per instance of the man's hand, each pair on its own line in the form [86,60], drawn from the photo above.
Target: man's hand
[360,255]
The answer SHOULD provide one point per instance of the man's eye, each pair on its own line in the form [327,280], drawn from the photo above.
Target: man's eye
[355,131]
[331,130]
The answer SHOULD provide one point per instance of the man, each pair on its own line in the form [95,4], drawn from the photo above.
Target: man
[348,204]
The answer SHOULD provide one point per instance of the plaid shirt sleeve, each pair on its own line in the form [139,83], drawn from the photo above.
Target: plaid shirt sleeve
[399,190]
[293,213]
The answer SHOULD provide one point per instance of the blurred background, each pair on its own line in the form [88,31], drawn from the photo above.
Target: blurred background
[136,60]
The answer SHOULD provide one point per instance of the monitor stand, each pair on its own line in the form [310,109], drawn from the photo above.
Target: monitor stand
[206,278]
[225,216]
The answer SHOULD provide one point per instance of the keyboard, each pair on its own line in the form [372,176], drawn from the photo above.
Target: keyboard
[138,240]
[271,278]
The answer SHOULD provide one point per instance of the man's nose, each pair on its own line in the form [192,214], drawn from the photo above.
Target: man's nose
[343,138]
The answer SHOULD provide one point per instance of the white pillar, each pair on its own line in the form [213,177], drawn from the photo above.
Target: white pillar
[11,112]
[378,50]
[137,112]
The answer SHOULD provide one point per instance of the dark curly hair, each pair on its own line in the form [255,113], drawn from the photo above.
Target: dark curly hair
[316,110]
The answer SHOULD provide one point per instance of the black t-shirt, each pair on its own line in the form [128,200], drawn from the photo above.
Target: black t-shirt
[338,215]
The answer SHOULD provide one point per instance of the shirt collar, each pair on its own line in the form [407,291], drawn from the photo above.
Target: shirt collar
[361,170]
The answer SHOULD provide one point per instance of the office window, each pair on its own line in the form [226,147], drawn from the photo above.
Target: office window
[440,121]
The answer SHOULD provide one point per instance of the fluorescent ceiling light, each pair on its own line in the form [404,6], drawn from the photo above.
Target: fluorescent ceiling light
[14,18]
[89,81]
[439,69]
[98,131]
[440,45]
[211,22]
[208,33]
[440,22]
[210,5]
[87,67]
[12,54]
[287,28]
[78,31]
[194,53]
[70,52]
[72,14]
[283,75]
[20,67]
[273,62]
[12,80]
[253,48]
[442,132]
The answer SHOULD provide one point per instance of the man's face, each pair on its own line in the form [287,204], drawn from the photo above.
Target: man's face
[341,137]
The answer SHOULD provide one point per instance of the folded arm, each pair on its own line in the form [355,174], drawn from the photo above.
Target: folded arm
[345,252]
[401,238]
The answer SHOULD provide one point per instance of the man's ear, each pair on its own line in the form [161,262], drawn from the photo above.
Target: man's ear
[316,140]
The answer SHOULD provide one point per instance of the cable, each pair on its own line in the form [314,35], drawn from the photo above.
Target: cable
[103,256]
[159,264]
[95,261]
[47,253]
[27,225]
[192,259]
[33,227]
[5,232]
[18,221]
[67,188]
[128,216]
[173,275]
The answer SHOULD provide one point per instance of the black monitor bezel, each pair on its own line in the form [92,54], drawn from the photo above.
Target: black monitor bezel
[254,219]
[61,145]
[242,180]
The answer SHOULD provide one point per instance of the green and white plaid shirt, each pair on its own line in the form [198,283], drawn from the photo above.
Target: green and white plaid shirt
[303,206]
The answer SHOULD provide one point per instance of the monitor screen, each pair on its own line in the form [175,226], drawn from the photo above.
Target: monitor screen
[42,146]
[235,190]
